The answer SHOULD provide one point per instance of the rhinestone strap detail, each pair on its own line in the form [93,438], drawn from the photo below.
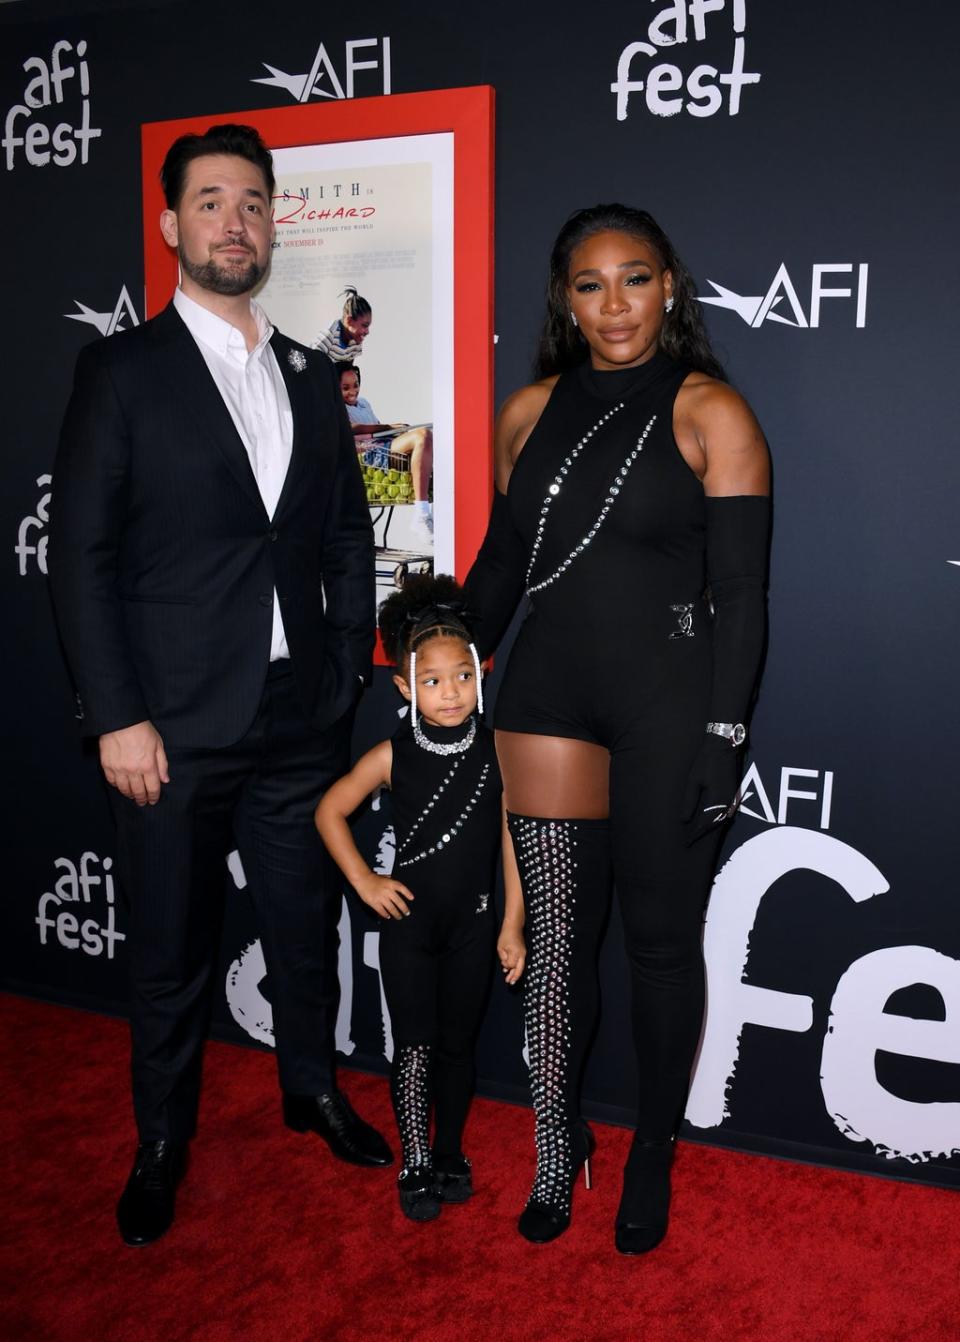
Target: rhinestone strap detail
[608,502]
[450,834]
[431,804]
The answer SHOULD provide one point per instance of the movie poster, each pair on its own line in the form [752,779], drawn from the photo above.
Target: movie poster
[368,225]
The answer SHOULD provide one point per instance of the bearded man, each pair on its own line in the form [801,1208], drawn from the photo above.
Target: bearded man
[211,563]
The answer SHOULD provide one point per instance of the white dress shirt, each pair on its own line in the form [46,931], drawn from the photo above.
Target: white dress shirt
[255,394]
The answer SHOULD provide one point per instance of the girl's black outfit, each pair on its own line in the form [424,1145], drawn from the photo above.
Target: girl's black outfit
[436,962]
[608,531]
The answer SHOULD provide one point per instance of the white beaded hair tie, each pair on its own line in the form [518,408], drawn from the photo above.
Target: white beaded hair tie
[437,747]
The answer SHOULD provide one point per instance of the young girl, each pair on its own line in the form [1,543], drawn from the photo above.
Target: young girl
[437,940]
[343,340]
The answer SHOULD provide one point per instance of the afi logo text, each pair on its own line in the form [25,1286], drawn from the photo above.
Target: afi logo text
[781,303]
[669,89]
[81,886]
[31,536]
[121,316]
[815,797]
[49,85]
[323,80]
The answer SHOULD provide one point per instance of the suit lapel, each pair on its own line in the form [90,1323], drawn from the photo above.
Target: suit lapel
[190,378]
[299,390]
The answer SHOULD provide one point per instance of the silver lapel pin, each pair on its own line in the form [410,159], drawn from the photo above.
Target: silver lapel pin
[297,360]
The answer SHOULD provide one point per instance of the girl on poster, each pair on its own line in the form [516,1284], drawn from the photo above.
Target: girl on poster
[343,340]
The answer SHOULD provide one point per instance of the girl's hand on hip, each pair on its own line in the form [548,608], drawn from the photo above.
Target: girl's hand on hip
[385,896]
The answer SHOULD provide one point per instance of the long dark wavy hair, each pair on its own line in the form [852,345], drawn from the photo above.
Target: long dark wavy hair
[683,335]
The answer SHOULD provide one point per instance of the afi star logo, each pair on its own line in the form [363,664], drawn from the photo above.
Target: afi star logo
[782,297]
[322,79]
[107,323]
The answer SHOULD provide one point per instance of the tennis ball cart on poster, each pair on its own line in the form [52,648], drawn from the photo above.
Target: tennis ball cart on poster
[389,484]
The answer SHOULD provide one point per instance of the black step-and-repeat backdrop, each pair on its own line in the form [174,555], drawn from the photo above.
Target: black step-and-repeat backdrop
[800,157]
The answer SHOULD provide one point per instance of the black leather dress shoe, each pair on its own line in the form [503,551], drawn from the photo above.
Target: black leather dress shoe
[333,1119]
[147,1205]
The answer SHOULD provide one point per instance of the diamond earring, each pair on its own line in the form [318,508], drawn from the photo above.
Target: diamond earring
[668,305]
[573,318]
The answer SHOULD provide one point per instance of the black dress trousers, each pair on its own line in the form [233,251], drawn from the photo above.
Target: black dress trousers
[257,795]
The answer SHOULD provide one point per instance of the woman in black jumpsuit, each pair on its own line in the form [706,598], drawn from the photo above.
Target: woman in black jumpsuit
[632,510]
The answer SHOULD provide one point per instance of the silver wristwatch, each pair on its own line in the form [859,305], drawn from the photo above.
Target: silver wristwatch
[734,732]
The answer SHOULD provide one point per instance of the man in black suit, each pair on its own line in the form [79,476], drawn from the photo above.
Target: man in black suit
[211,562]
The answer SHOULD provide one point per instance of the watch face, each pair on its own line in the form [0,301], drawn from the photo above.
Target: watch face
[739,734]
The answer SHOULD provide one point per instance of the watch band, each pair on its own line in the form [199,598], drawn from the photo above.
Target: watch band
[734,732]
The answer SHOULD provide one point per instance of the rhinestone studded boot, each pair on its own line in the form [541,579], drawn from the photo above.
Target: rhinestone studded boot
[410,1092]
[564,869]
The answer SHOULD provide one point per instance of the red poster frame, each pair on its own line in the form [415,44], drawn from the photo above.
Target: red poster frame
[468,114]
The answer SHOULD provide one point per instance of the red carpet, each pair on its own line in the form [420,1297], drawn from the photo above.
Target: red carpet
[274,1240]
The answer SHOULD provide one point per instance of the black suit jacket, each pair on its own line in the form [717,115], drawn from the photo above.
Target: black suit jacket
[162,558]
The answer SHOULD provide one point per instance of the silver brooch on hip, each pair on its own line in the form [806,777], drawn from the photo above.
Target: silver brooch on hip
[297,360]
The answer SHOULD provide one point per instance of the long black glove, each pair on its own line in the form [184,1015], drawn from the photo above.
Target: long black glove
[738,530]
[495,583]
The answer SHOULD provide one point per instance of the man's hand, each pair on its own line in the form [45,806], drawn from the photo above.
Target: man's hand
[134,762]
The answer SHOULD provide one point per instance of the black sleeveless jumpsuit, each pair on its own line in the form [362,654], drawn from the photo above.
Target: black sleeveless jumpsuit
[616,650]
[436,963]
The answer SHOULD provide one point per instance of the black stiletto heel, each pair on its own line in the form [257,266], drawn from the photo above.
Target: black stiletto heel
[540,1222]
[645,1205]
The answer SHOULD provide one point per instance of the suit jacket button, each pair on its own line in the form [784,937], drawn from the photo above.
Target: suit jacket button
[265,599]
[272,535]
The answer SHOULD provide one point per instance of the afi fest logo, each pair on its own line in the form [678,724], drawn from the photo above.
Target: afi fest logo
[782,297]
[859,1023]
[87,887]
[52,83]
[322,80]
[121,317]
[669,88]
[31,535]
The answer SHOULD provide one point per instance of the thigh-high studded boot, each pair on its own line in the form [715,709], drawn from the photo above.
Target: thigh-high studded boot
[410,1092]
[565,872]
